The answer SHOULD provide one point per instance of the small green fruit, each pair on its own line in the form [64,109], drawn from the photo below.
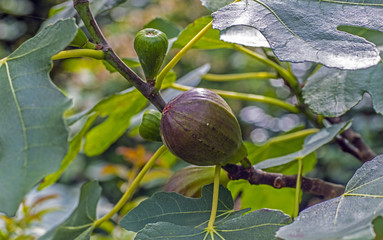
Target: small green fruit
[199,127]
[150,126]
[151,46]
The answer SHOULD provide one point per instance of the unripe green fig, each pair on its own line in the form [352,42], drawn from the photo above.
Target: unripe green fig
[151,46]
[199,127]
[150,126]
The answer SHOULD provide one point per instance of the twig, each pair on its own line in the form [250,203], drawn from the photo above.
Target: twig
[82,7]
[351,142]
[278,180]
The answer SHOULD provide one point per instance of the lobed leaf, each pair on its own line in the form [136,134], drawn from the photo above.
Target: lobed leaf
[349,216]
[304,30]
[33,135]
[172,216]
[332,92]
[261,224]
[177,209]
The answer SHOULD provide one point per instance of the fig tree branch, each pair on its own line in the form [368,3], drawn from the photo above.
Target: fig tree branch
[278,180]
[82,7]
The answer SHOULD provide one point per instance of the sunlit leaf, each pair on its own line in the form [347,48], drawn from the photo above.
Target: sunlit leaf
[304,30]
[33,136]
[170,29]
[263,196]
[332,92]
[118,110]
[79,224]
[209,41]
[349,216]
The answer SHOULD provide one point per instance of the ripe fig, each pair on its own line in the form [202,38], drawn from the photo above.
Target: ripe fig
[151,46]
[199,127]
[150,126]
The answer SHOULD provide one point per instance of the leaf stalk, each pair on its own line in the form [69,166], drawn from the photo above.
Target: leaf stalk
[127,195]
[245,96]
[179,55]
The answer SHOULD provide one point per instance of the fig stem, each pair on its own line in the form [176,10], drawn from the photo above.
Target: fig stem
[290,78]
[245,96]
[217,174]
[132,187]
[96,54]
[179,55]
[298,187]
[238,76]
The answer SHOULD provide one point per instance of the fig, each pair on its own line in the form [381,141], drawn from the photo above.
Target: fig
[151,46]
[150,126]
[199,127]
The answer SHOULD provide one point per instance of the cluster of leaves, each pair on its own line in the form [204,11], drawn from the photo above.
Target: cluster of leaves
[33,133]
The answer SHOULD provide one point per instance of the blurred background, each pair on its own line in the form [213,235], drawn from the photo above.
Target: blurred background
[87,81]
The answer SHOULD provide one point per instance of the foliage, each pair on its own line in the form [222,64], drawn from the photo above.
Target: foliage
[294,72]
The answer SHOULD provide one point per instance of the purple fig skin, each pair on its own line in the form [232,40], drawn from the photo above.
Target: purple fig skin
[199,127]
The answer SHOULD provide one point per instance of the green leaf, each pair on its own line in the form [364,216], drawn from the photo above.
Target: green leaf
[378,227]
[371,35]
[130,62]
[79,224]
[214,5]
[81,40]
[190,180]
[33,136]
[312,143]
[209,41]
[75,145]
[333,92]
[280,146]
[172,216]
[304,30]
[119,109]
[263,196]
[261,224]
[170,29]
[349,216]
[174,208]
